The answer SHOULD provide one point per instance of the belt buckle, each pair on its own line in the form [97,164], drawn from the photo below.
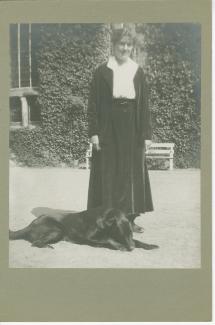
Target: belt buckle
[123,102]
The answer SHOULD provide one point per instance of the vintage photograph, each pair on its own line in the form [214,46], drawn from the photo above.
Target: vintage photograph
[105,142]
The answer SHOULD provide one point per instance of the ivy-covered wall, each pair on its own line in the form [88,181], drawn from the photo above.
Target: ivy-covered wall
[68,55]
[170,55]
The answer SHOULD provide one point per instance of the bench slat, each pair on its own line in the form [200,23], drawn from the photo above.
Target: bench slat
[162,157]
[163,143]
[158,147]
[154,151]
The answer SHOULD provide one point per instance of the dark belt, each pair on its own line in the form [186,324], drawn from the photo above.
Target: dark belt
[123,101]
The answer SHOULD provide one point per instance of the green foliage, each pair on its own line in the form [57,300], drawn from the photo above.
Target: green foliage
[170,55]
[67,57]
[158,163]
[31,148]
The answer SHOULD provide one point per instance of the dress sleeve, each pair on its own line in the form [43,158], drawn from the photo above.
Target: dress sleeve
[92,109]
[147,123]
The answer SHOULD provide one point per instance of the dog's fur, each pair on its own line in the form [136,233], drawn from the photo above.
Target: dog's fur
[96,227]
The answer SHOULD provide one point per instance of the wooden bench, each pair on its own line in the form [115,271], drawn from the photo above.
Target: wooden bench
[161,151]
[156,151]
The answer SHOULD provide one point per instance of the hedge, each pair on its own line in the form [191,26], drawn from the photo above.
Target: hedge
[67,57]
[171,57]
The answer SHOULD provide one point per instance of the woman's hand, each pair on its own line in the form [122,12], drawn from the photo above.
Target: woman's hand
[148,144]
[95,142]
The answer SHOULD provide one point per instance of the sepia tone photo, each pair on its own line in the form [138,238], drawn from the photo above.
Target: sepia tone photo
[105,129]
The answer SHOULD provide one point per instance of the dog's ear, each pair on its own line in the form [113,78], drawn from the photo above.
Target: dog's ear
[106,219]
[131,217]
[100,223]
[109,217]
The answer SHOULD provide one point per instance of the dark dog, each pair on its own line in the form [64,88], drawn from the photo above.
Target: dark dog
[96,227]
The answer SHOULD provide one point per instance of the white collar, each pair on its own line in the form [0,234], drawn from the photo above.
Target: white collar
[130,64]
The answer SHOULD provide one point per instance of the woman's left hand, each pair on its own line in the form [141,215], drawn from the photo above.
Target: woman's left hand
[148,144]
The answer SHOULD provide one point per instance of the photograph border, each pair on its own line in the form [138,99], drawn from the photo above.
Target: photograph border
[107,294]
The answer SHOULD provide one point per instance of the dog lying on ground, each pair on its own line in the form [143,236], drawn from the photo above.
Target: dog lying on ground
[109,228]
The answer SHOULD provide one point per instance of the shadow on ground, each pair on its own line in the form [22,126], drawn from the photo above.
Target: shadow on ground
[174,225]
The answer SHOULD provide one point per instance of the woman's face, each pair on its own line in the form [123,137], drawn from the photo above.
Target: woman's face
[122,49]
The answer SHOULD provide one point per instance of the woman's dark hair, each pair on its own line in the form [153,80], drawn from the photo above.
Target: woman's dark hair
[118,34]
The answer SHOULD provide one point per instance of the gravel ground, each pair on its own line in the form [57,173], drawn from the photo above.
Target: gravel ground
[174,225]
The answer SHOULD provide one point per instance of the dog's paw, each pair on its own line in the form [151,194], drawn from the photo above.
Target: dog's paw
[149,247]
[126,249]
[50,246]
[122,249]
[41,244]
[139,244]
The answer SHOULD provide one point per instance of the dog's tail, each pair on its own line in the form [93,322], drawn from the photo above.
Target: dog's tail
[19,234]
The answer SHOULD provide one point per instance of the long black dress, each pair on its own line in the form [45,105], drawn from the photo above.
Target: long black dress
[119,176]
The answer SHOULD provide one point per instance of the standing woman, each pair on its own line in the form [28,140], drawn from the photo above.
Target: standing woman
[120,131]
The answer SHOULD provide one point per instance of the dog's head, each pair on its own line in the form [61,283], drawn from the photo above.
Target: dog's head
[119,227]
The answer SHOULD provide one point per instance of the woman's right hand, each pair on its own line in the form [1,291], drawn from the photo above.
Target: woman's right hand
[95,142]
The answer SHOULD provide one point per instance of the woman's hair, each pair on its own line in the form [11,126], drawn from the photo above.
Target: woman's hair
[118,34]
